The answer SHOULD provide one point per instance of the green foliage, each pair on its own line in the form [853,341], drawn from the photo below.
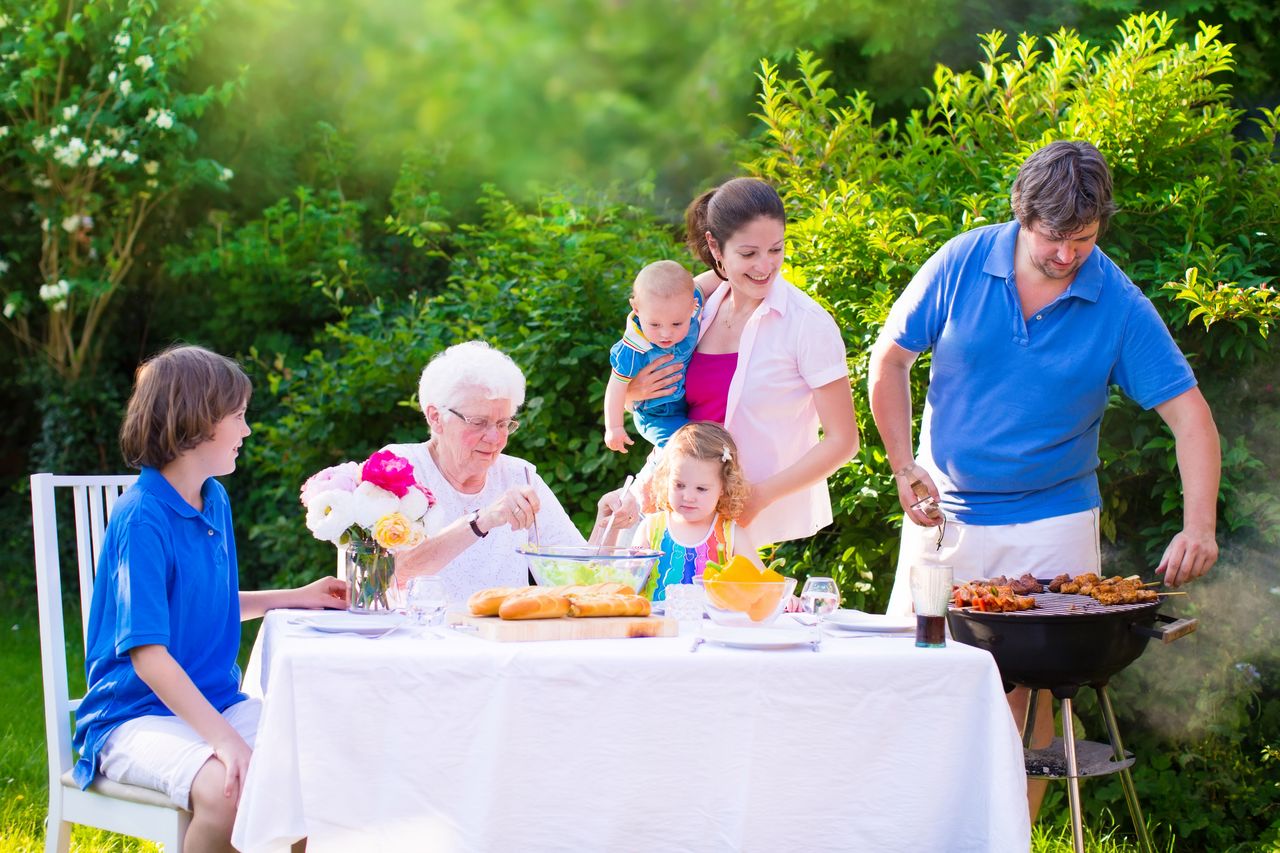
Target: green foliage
[96,136]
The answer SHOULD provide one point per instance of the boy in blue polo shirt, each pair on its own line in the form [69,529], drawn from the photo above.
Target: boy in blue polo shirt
[163,709]
[665,306]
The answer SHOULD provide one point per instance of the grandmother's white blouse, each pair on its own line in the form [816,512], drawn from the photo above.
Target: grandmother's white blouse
[491,561]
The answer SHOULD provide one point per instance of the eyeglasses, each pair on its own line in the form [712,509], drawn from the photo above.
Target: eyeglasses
[507,425]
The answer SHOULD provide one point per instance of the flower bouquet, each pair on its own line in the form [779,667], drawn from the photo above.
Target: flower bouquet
[375,510]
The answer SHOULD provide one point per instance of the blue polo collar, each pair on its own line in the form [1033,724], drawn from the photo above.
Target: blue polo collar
[154,482]
[1087,284]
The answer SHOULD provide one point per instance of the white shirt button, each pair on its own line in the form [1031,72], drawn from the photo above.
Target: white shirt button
[1039,316]
[210,532]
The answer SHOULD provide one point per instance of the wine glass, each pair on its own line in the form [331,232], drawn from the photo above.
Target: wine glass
[819,597]
[425,600]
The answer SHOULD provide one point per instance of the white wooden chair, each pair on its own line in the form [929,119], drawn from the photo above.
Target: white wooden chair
[127,809]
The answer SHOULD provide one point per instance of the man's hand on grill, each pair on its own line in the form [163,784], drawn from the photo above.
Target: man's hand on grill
[1188,556]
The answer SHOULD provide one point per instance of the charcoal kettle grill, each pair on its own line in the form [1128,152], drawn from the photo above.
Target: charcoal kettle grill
[1067,642]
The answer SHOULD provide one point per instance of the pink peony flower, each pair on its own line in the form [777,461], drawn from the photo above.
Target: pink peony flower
[342,478]
[389,471]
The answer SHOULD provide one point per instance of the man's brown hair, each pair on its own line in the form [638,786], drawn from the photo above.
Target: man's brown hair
[1065,186]
[178,398]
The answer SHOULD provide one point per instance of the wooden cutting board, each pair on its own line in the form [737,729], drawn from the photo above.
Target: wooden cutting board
[565,628]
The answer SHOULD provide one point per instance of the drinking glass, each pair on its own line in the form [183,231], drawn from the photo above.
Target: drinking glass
[930,594]
[819,597]
[425,600]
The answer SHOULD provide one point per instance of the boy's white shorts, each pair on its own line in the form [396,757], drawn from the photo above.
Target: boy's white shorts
[165,754]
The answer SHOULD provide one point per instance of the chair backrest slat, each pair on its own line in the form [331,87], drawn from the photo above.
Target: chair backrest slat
[93,499]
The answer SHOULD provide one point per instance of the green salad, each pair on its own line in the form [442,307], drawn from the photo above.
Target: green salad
[553,572]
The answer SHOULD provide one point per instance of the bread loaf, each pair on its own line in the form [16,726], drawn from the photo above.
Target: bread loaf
[608,604]
[535,604]
[487,601]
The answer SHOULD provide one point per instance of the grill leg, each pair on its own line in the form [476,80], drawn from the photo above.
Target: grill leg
[1126,778]
[1029,720]
[1073,776]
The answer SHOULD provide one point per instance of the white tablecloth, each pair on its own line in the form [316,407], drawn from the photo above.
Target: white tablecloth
[409,743]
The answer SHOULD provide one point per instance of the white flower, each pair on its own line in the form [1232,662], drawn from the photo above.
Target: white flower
[4,131]
[162,119]
[72,223]
[4,266]
[4,21]
[151,167]
[42,181]
[144,62]
[153,183]
[68,113]
[10,308]
[116,134]
[40,143]
[330,514]
[125,87]
[71,153]
[414,504]
[226,174]
[372,503]
[56,131]
[44,225]
[112,77]
[128,157]
[95,159]
[123,41]
[55,292]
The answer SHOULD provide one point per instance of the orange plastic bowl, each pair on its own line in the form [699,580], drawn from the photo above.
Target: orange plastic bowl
[745,604]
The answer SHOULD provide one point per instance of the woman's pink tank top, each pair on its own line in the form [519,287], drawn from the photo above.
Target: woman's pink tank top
[706,385]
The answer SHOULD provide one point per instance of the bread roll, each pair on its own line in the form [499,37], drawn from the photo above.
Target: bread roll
[608,604]
[487,601]
[535,604]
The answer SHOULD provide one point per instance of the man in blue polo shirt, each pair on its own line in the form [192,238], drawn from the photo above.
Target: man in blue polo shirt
[1030,323]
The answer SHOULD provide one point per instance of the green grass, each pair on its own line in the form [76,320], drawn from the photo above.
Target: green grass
[23,773]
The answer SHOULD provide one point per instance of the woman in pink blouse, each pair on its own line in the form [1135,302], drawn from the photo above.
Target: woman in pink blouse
[769,365]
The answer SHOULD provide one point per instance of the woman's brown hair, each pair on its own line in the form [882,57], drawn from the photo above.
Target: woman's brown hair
[178,398]
[711,442]
[724,210]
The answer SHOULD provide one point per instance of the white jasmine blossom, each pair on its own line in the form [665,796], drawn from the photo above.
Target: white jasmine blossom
[52,293]
[122,41]
[125,87]
[71,224]
[10,308]
[71,153]
[112,76]
[128,157]
[144,62]
[42,181]
[153,183]
[226,174]
[44,225]
[68,113]
[95,160]
[116,134]
[4,266]
[162,119]
[4,130]
[55,131]
[40,143]
[151,167]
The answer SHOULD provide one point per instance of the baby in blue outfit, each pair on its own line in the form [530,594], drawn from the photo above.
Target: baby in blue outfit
[665,304]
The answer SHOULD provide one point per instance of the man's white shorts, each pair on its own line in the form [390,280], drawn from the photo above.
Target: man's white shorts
[1064,544]
[165,754]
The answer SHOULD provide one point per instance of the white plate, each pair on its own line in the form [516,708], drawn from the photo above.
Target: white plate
[856,620]
[757,638]
[346,622]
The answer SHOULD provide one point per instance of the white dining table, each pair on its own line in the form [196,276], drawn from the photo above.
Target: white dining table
[412,742]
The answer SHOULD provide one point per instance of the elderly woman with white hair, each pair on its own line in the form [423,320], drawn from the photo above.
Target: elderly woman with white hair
[486,500]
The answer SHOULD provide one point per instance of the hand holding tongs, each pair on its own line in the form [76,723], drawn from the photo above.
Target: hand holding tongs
[608,525]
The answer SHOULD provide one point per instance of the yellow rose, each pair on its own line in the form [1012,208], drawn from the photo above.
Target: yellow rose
[395,532]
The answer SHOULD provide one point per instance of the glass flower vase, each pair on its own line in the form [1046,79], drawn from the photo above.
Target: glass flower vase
[371,577]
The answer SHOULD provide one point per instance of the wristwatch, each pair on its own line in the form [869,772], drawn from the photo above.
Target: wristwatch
[475,528]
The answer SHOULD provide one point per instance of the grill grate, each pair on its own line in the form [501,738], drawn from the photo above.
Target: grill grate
[1063,604]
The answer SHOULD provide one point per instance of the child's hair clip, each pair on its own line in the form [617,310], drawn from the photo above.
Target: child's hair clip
[725,455]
